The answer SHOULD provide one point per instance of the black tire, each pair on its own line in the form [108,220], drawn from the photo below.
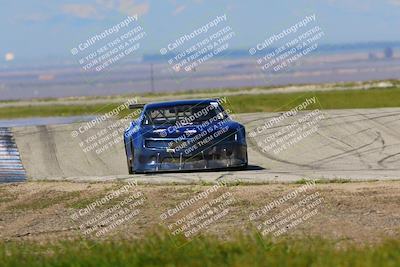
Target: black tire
[244,167]
[130,170]
[129,162]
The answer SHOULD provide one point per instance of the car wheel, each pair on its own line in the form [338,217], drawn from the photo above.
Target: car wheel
[130,170]
[244,167]
[128,160]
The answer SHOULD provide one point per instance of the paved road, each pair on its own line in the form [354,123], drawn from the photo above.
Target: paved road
[347,144]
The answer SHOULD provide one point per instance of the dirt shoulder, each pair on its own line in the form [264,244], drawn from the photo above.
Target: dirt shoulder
[364,212]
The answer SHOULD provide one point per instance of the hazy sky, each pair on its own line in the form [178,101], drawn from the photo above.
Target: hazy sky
[48,28]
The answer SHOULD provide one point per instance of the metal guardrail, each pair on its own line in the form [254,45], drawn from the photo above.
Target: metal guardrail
[11,168]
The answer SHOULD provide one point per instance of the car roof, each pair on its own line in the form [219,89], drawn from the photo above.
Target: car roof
[178,103]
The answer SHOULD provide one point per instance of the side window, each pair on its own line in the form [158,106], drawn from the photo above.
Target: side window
[144,118]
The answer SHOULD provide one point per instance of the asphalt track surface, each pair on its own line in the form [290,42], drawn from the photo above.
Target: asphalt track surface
[357,144]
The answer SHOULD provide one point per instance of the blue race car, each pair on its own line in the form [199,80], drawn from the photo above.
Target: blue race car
[184,135]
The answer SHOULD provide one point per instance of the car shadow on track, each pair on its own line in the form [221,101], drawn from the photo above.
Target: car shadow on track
[236,169]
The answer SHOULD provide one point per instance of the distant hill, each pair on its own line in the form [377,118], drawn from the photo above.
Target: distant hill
[324,48]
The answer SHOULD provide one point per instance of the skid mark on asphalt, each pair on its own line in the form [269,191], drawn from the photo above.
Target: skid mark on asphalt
[11,169]
[345,140]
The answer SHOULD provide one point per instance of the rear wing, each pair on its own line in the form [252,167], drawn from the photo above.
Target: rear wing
[136,106]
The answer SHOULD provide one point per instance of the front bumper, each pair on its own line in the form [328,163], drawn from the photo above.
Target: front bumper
[220,156]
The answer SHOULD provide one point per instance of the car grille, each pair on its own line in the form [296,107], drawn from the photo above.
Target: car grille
[182,144]
[157,143]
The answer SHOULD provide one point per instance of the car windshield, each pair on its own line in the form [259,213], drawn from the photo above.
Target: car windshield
[183,114]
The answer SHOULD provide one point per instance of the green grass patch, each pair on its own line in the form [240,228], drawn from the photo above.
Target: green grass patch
[373,98]
[55,110]
[6,196]
[84,202]
[159,250]
[246,103]
[45,200]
